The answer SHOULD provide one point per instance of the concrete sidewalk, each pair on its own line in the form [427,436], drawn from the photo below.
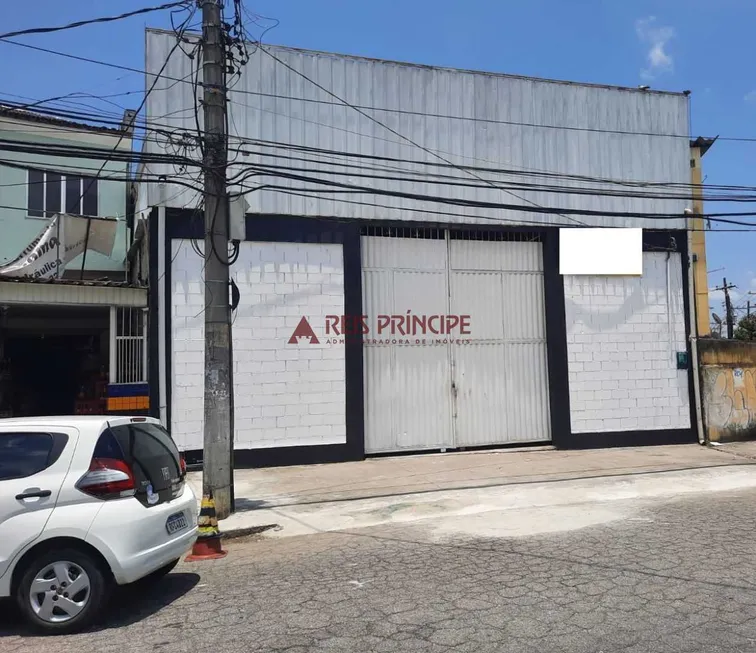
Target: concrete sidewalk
[342,495]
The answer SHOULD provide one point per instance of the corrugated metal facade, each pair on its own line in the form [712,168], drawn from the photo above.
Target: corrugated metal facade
[469,118]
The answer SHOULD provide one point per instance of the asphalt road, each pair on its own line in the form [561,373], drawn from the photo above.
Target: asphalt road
[677,576]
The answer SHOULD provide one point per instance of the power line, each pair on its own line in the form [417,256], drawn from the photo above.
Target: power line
[506,171]
[86,94]
[24,165]
[77,151]
[347,188]
[459,166]
[73,56]
[97,116]
[391,129]
[122,156]
[433,178]
[277,96]
[64,99]
[74,149]
[456,181]
[414,162]
[41,125]
[558,189]
[144,100]
[428,151]
[495,121]
[513,221]
[93,21]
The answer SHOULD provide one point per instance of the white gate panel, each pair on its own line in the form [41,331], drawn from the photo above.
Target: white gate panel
[407,387]
[422,375]
[490,390]
[378,363]
[500,378]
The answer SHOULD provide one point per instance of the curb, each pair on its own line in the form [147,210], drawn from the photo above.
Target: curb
[235,533]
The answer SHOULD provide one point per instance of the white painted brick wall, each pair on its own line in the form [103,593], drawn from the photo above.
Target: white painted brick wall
[623,335]
[285,395]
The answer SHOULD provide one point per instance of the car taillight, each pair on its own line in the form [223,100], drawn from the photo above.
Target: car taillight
[108,478]
[183,464]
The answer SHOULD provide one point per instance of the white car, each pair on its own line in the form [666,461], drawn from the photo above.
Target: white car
[86,503]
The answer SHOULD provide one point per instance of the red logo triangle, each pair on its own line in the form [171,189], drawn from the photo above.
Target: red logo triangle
[303,330]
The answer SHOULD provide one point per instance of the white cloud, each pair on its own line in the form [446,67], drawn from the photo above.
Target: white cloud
[716,296]
[750,98]
[657,38]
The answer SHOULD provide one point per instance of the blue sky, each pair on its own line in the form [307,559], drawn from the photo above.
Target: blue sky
[700,45]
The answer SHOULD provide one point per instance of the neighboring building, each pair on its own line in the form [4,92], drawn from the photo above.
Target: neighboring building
[72,329]
[698,148]
[536,357]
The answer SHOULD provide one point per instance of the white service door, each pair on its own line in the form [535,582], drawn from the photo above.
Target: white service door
[493,390]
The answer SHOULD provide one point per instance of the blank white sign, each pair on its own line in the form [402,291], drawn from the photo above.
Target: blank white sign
[601,252]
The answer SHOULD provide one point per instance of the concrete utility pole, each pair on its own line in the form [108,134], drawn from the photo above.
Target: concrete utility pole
[217,474]
[728,308]
[729,312]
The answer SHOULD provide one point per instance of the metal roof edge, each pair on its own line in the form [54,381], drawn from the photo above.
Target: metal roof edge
[99,283]
[409,64]
[26,116]
[704,143]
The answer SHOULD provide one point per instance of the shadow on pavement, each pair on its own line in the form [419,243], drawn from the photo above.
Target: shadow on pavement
[249,504]
[129,605]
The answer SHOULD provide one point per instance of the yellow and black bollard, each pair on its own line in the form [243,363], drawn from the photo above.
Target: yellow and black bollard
[208,544]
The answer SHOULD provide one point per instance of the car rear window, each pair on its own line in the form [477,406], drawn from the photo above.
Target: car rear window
[151,454]
[24,454]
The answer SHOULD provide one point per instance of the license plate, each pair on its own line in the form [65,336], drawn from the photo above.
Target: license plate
[176,523]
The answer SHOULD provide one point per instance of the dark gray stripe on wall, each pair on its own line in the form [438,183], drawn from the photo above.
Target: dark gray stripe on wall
[168,289]
[556,342]
[154,315]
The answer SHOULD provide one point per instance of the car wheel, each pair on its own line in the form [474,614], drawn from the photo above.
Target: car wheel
[160,573]
[62,591]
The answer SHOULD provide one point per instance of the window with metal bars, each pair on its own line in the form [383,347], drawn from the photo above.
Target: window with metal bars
[492,235]
[438,233]
[129,342]
[432,233]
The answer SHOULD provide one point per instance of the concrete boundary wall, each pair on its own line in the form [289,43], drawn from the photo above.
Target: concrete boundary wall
[728,389]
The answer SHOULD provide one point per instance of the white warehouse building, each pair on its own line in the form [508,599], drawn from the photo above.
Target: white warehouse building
[399,263]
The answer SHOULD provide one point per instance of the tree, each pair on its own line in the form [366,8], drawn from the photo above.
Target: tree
[746,329]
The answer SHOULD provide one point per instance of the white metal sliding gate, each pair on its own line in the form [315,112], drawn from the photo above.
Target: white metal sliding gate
[486,387]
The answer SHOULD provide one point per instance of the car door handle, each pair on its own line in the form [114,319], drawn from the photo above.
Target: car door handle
[31,494]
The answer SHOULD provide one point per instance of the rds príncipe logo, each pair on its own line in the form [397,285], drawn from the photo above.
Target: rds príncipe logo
[405,329]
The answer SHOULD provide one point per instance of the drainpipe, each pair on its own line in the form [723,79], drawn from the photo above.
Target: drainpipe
[694,332]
